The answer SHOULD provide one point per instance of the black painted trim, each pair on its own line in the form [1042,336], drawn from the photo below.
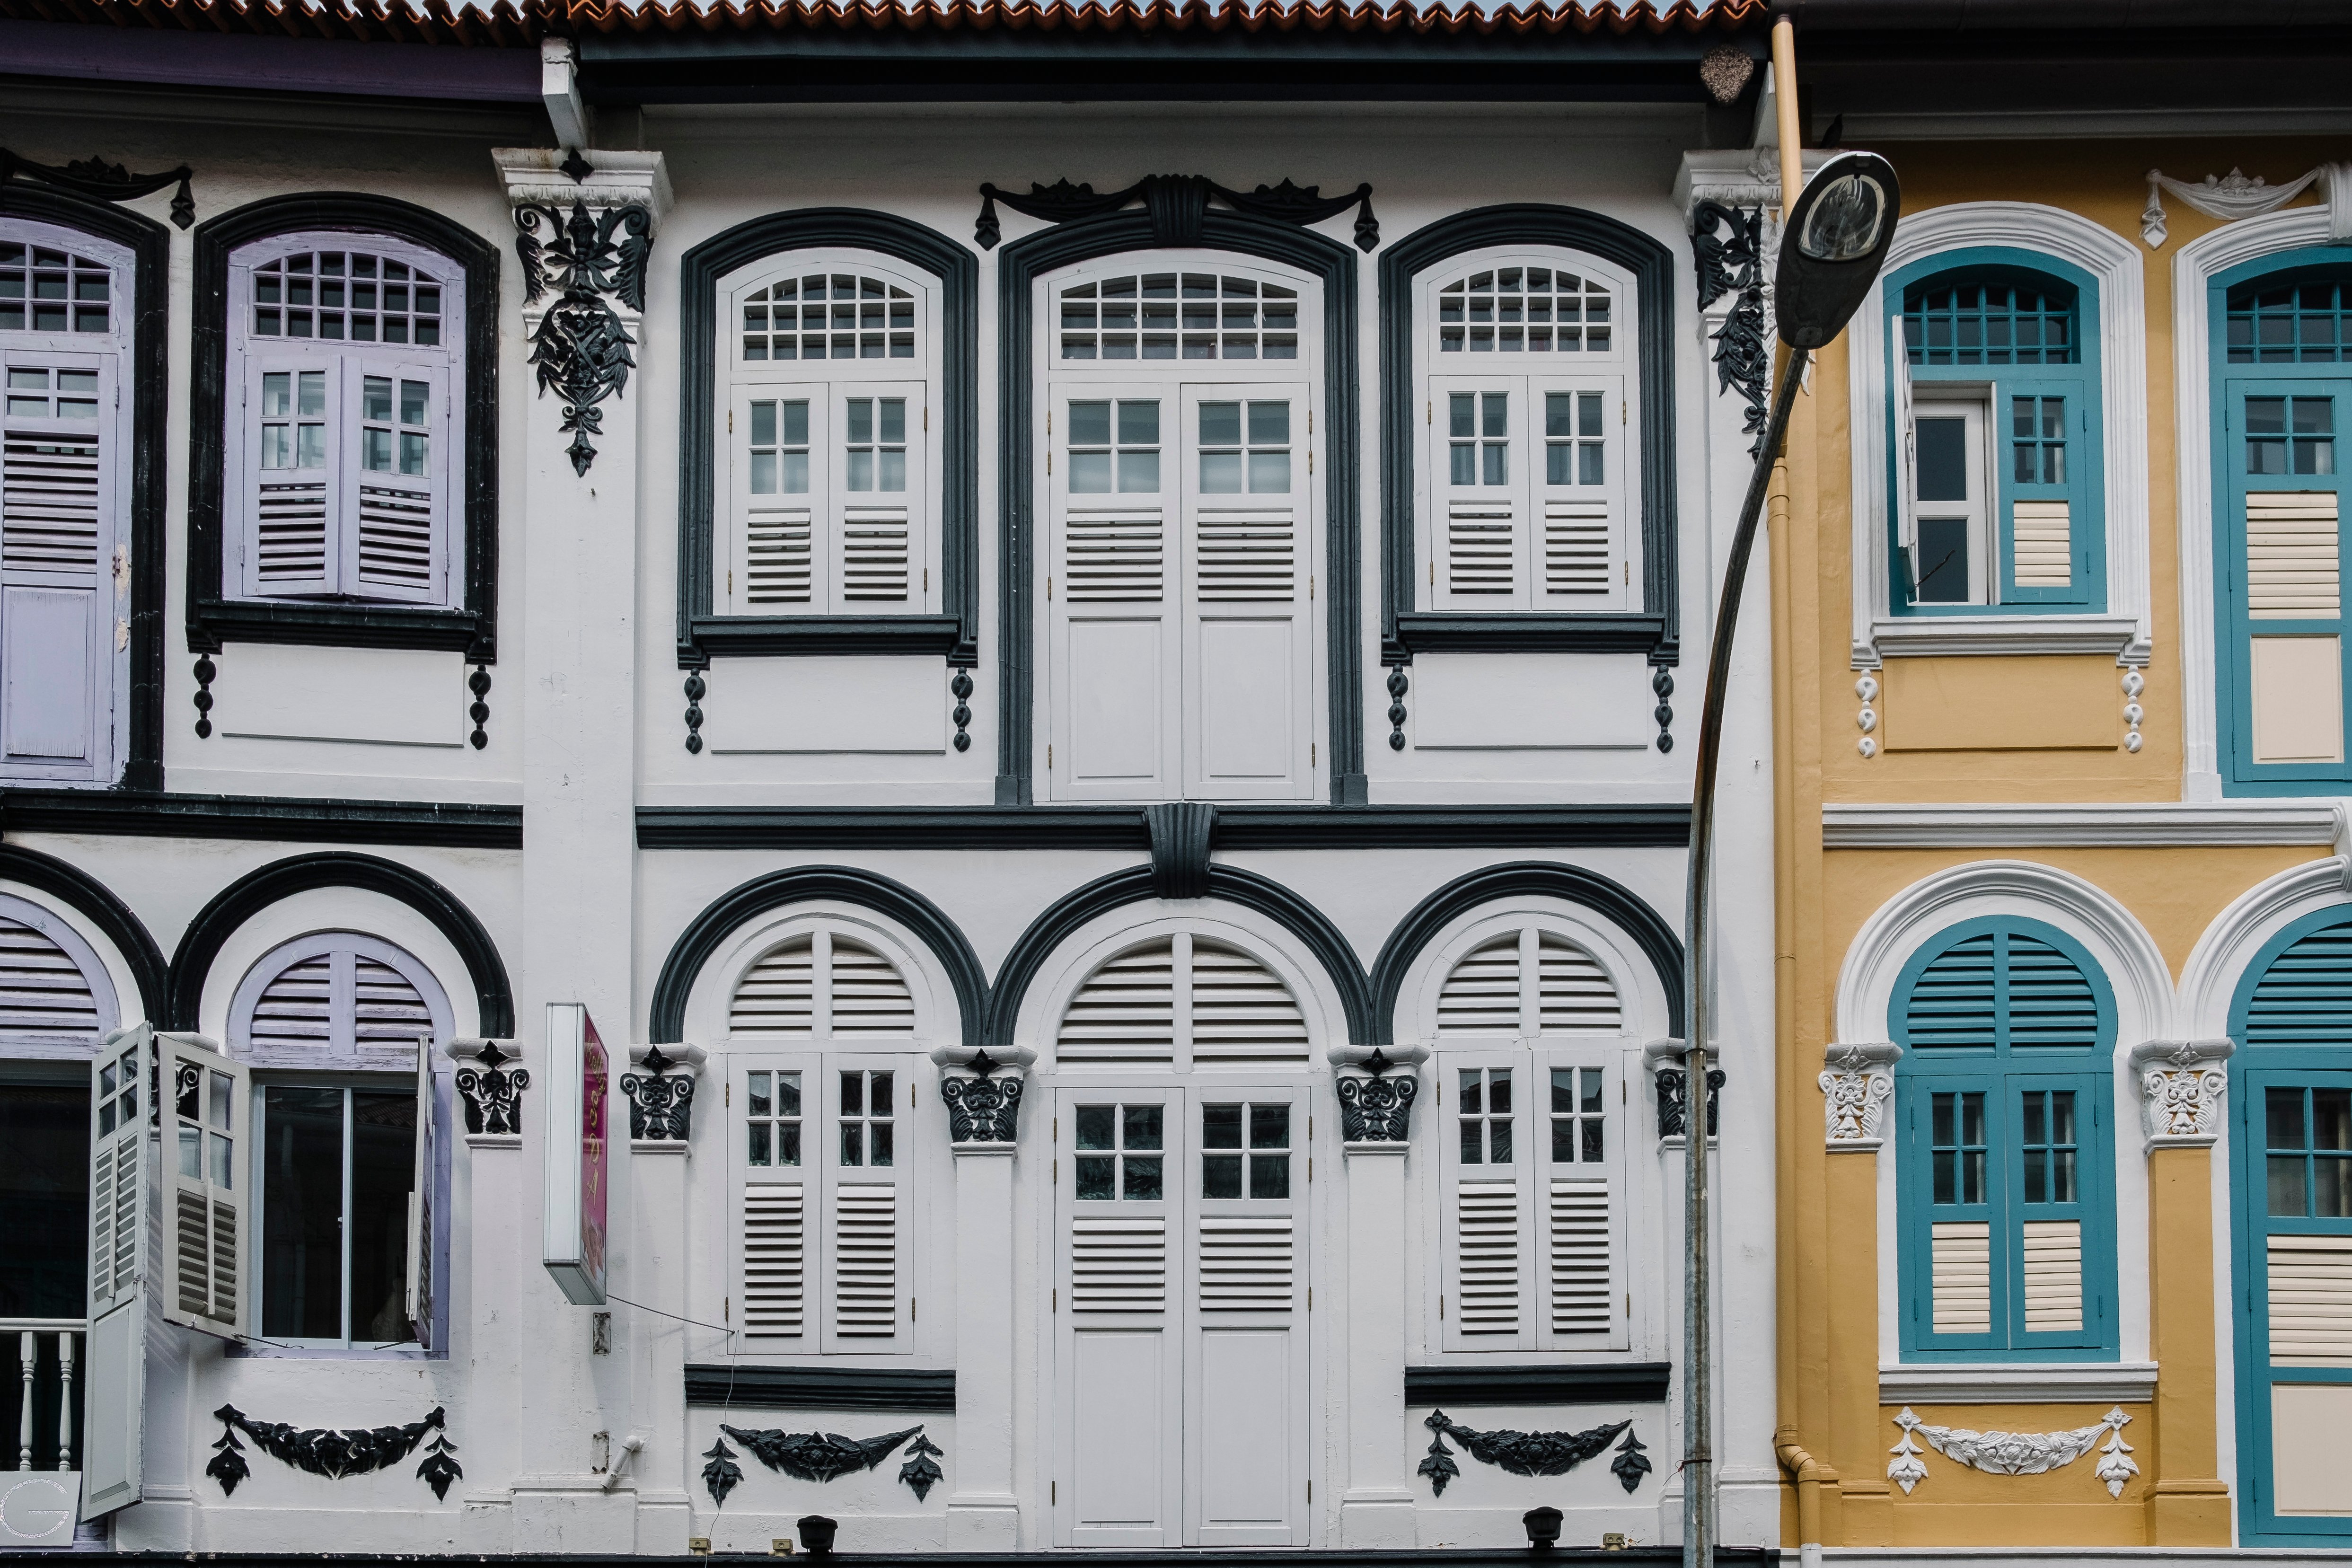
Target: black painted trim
[214,616]
[111,915]
[1165,1557]
[956,633]
[1655,630]
[1647,827]
[1623,1382]
[250,894]
[1518,879]
[845,884]
[150,370]
[737,1388]
[1247,888]
[297,819]
[1018,267]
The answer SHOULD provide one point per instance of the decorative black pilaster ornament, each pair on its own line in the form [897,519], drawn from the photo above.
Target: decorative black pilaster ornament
[961,688]
[982,1108]
[661,1106]
[1379,1109]
[1178,204]
[582,346]
[1727,247]
[695,689]
[1529,1453]
[102,182]
[1398,687]
[333,1453]
[492,1094]
[1674,1104]
[206,672]
[479,683]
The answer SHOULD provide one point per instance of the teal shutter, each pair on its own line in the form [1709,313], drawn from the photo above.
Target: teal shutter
[2044,450]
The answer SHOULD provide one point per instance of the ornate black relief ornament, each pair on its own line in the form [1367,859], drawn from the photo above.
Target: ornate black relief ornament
[1530,1453]
[479,683]
[661,1104]
[722,1474]
[820,1456]
[1727,247]
[1177,204]
[921,1471]
[492,1093]
[1398,686]
[959,688]
[1180,832]
[334,1453]
[103,182]
[696,689]
[984,1108]
[1674,1110]
[1379,1109]
[582,346]
[206,672]
[1661,681]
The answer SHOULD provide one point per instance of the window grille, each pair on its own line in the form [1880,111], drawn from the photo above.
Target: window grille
[1525,309]
[1173,315]
[829,315]
[2305,322]
[1986,321]
[53,291]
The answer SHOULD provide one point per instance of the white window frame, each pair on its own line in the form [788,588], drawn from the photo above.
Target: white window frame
[1615,373]
[442,366]
[2125,630]
[739,381]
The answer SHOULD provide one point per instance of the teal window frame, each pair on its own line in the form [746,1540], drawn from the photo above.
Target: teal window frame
[1956,1058]
[2078,381]
[2231,385]
[2310,1040]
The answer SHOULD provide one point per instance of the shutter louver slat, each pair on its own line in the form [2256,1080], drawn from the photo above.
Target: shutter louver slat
[297,1007]
[1481,548]
[777,561]
[2054,1275]
[49,487]
[396,538]
[874,554]
[2304,997]
[2042,542]
[1953,1002]
[44,995]
[1242,1011]
[1246,1263]
[1245,555]
[290,533]
[1576,546]
[1576,994]
[1114,555]
[772,1262]
[2310,1301]
[1126,1011]
[1583,1300]
[1961,1274]
[866,1262]
[2292,568]
[1487,1267]
[1482,995]
[387,1010]
[1118,1265]
[870,999]
[777,996]
[2050,1003]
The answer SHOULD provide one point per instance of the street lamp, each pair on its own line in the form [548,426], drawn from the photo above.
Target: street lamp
[1833,241]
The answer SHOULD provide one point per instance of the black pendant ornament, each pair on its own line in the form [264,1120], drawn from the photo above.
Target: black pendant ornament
[1178,204]
[1531,1453]
[722,1474]
[334,1453]
[820,1456]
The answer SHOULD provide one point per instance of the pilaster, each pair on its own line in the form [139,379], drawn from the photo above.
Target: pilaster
[982,1093]
[1377,1090]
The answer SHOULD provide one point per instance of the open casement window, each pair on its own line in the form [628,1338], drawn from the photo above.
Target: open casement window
[65,468]
[343,428]
[125,1214]
[822,1148]
[2004,1112]
[1996,447]
[828,469]
[1526,408]
[1179,1001]
[205,1101]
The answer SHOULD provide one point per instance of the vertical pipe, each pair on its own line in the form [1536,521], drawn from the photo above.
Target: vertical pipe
[69,1412]
[28,1355]
[1784,101]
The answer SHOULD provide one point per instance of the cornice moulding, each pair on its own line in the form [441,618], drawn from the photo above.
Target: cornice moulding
[2046,1382]
[1962,636]
[535,177]
[2004,824]
[1735,177]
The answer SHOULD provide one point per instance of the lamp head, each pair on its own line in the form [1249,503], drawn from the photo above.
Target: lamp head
[1833,244]
[1543,1527]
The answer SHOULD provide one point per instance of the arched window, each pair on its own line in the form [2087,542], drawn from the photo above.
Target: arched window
[822,1064]
[340,1030]
[2005,1140]
[1997,459]
[1182,1000]
[56,997]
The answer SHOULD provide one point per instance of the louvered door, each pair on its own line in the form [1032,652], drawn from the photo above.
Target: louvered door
[1488,1205]
[1583,1279]
[867,1145]
[1113,594]
[1246,1444]
[205,1100]
[1478,451]
[123,1219]
[1121,1284]
[2296,1122]
[395,428]
[61,476]
[777,469]
[769,1159]
[2283,500]
[874,541]
[292,479]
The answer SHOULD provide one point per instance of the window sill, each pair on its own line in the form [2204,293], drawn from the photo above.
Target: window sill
[256,1350]
[1938,636]
[213,621]
[2018,1383]
[708,635]
[1431,631]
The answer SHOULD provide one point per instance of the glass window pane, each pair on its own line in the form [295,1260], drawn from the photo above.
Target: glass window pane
[1142,1179]
[853,1093]
[383,1170]
[1097,1176]
[1498,1139]
[757,1149]
[1095,1125]
[1498,1090]
[1139,422]
[1940,450]
[1090,423]
[1269,1127]
[1138,472]
[1141,1129]
[2283,1119]
[1220,1175]
[1269,1175]
[1221,423]
[1221,1127]
[1221,473]
[302,1213]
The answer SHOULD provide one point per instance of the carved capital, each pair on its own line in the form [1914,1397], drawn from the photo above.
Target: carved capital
[1857,1082]
[661,1092]
[1377,1087]
[1668,1061]
[490,1088]
[2181,1083]
[981,1090]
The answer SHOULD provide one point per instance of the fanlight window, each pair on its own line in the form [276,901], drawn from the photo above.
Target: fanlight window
[45,290]
[346,295]
[2305,323]
[1979,322]
[1182,999]
[1528,982]
[338,999]
[1530,309]
[829,315]
[821,983]
[1172,315]
[45,992]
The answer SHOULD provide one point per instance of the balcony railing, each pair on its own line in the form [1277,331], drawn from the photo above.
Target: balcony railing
[50,1354]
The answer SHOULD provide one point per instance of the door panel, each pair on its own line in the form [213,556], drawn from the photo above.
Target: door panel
[1119,1495]
[1117,717]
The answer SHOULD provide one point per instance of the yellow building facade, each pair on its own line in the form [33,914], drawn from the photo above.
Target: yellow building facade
[2064,908]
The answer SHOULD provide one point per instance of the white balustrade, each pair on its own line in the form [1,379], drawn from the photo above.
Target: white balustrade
[46,1340]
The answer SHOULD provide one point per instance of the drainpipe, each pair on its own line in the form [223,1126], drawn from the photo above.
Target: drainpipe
[1810,1474]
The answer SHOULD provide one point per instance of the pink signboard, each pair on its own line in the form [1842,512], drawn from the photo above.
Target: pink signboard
[595,1093]
[579,1146]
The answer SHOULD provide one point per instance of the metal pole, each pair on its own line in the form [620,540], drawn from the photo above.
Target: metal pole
[1698,1338]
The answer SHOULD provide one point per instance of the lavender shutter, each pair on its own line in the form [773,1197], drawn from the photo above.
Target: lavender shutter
[287,490]
[392,543]
[59,495]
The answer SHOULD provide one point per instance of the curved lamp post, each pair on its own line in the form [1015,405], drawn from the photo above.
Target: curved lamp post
[1833,245]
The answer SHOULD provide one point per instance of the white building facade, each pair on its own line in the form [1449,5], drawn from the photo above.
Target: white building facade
[1099,748]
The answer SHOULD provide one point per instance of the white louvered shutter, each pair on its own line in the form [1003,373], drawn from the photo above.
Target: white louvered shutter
[876,535]
[777,996]
[1479,449]
[123,1217]
[206,1165]
[770,1136]
[59,505]
[1580,460]
[292,482]
[394,479]
[1241,1010]
[1905,575]
[867,995]
[419,1273]
[866,1151]
[1126,1011]
[44,994]
[338,1003]
[1574,994]
[1490,1218]
[1960,1284]
[1113,597]
[777,454]
[2310,1279]
[1582,1124]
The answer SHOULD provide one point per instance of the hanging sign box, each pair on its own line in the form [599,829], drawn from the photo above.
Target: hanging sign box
[577,1154]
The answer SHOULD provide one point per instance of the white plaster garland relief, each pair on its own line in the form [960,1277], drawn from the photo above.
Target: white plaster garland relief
[2133,684]
[1866,720]
[2181,1084]
[2234,196]
[2014,1453]
[1857,1085]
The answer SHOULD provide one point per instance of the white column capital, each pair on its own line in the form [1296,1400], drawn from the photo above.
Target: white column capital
[1857,1081]
[549,177]
[2181,1083]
